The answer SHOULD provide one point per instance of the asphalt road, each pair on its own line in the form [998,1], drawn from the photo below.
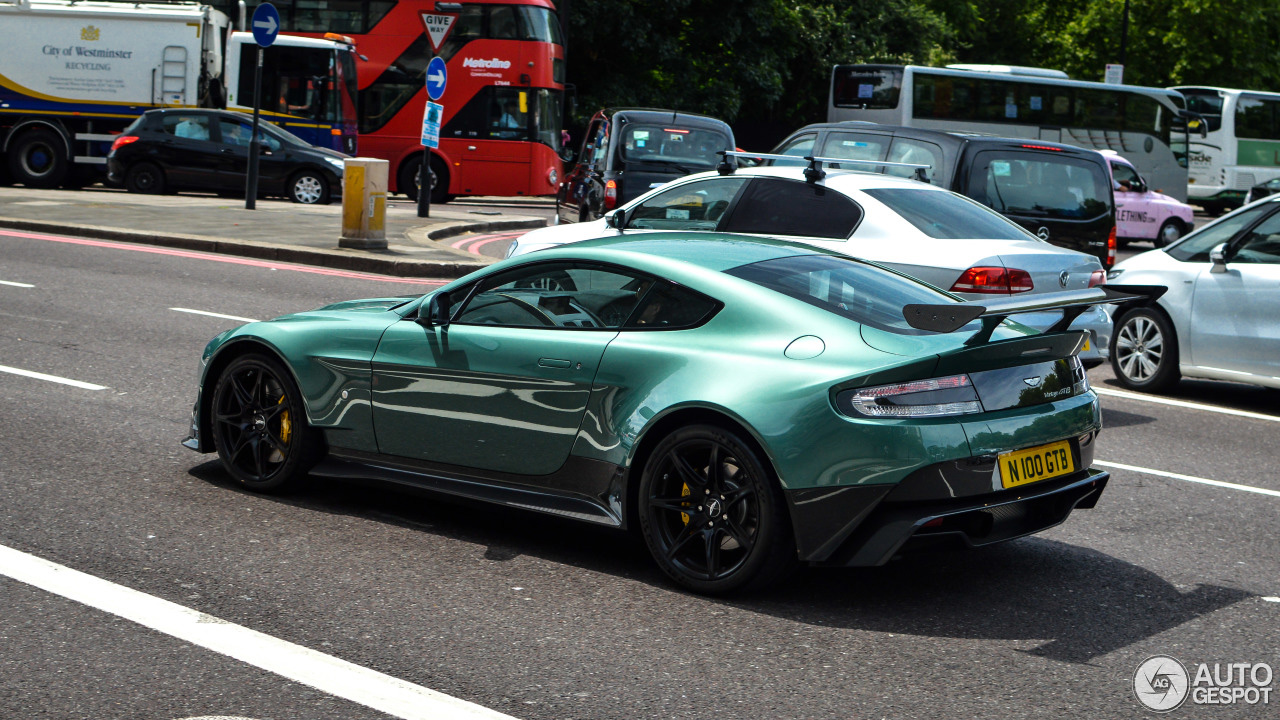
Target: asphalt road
[541,618]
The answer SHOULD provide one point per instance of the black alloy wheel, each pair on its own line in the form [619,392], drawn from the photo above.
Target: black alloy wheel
[144,177]
[259,425]
[712,514]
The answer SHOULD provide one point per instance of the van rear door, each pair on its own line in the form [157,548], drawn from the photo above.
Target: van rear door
[1062,197]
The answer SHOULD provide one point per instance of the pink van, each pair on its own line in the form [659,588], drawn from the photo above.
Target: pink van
[1141,213]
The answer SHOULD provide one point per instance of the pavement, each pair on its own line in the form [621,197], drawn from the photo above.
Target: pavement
[281,231]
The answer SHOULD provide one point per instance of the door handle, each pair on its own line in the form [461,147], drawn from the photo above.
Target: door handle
[227,151]
[554,363]
[471,147]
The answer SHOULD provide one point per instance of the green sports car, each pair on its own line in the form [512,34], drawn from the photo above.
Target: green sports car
[746,404]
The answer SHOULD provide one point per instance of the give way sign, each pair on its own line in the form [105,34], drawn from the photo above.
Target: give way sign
[438,27]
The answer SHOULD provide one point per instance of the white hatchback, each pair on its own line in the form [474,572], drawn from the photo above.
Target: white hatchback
[927,232]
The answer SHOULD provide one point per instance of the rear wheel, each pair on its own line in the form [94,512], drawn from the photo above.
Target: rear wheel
[409,182]
[711,512]
[1170,232]
[259,425]
[144,177]
[38,159]
[1144,351]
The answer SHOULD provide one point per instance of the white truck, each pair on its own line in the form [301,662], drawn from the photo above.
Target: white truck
[73,74]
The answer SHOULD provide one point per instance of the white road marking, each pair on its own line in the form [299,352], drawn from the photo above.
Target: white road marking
[16,284]
[323,672]
[1188,478]
[214,314]
[51,378]
[1184,404]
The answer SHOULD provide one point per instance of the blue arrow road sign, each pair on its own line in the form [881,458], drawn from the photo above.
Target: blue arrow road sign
[436,77]
[266,23]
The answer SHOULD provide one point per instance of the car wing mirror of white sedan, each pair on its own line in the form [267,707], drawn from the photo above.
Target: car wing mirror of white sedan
[616,219]
[1218,256]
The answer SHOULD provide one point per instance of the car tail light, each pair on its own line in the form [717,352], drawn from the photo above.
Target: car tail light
[1042,147]
[935,397]
[1111,247]
[122,141]
[1097,277]
[993,280]
[610,194]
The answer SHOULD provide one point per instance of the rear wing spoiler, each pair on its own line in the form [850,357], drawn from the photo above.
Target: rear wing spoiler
[951,317]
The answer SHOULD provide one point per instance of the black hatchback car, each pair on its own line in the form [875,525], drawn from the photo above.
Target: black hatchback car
[628,151]
[1060,193]
[185,149]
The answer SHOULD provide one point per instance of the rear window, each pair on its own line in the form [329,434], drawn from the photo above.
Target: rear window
[686,150]
[859,292]
[948,216]
[1039,185]
[789,207]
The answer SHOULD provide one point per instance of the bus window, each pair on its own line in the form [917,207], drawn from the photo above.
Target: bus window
[539,24]
[1256,120]
[320,16]
[1206,103]
[867,87]
[296,81]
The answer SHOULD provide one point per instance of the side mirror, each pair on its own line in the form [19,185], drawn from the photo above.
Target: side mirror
[437,311]
[1218,256]
[616,219]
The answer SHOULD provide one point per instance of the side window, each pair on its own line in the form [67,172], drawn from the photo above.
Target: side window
[789,207]
[235,132]
[556,295]
[1261,244]
[589,142]
[799,146]
[191,127]
[671,307]
[918,152]
[1126,177]
[1196,247]
[854,146]
[691,206]
[601,142]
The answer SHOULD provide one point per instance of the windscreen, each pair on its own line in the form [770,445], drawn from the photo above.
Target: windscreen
[687,150]
[1040,185]
[862,293]
[948,216]
[1207,103]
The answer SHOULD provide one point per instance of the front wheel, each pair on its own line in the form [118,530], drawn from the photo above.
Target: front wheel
[1170,232]
[712,514]
[1144,351]
[309,188]
[259,425]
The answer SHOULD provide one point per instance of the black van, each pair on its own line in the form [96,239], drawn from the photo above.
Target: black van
[1060,193]
[627,151]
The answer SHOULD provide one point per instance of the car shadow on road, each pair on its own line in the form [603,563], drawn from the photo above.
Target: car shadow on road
[1078,603]
[1231,395]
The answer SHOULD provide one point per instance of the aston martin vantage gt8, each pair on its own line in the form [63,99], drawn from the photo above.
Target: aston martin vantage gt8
[745,404]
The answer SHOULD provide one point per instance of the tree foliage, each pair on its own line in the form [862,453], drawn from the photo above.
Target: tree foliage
[767,63]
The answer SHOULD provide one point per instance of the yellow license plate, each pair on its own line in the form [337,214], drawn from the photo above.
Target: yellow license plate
[1035,464]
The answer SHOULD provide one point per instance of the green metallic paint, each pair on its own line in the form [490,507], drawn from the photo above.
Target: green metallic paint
[493,398]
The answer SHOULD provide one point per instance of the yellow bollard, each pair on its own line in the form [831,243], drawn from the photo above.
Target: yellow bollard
[364,203]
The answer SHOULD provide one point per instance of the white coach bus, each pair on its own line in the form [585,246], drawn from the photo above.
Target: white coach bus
[1145,125]
[1242,146]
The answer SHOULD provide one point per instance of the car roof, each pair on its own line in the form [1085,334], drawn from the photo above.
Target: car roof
[659,115]
[838,178]
[951,137]
[707,250]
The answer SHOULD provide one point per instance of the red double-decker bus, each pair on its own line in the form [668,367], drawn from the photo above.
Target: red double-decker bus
[500,134]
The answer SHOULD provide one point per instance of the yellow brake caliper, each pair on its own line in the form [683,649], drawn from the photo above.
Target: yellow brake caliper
[685,492]
[286,429]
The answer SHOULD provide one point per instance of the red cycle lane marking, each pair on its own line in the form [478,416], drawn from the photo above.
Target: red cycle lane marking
[482,240]
[221,258]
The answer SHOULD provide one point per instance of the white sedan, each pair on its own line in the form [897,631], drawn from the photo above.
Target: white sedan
[1220,318]
[922,230]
